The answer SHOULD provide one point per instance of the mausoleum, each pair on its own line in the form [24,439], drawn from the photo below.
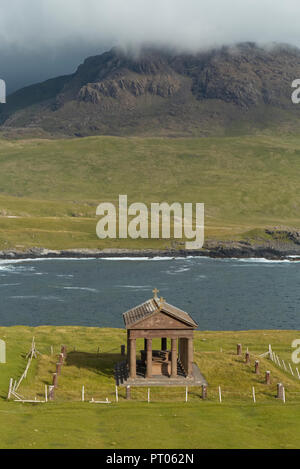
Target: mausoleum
[171,362]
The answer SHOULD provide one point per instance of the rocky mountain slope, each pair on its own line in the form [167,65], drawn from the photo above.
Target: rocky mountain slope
[223,91]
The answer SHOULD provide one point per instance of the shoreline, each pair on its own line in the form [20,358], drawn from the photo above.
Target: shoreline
[219,250]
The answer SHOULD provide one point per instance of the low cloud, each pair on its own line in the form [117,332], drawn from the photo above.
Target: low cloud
[47,37]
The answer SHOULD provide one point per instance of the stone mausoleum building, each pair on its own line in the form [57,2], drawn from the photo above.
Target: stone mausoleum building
[171,363]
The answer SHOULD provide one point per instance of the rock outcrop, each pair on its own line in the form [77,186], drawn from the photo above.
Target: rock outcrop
[161,92]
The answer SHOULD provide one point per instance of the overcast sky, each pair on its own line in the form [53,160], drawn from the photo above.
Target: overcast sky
[44,38]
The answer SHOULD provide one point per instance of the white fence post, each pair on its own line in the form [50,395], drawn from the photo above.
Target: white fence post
[270,352]
[253,394]
[117,395]
[220,394]
[148,394]
[186,393]
[82,394]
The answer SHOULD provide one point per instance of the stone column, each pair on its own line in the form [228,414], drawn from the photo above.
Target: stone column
[173,358]
[190,357]
[149,359]
[164,343]
[132,358]
[185,341]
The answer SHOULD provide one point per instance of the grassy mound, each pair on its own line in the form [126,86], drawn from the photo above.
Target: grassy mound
[69,423]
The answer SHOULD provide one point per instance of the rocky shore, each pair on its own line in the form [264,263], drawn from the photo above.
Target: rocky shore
[214,249]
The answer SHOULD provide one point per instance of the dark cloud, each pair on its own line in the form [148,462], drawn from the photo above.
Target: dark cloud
[20,67]
[44,38]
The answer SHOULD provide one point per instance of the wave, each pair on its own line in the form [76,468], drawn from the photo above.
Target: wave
[255,260]
[10,269]
[156,258]
[40,259]
[178,271]
[138,258]
[134,286]
[65,275]
[31,297]
[80,288]
[10,284]
[7,264]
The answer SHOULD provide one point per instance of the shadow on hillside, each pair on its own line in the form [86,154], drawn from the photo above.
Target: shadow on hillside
[102,363]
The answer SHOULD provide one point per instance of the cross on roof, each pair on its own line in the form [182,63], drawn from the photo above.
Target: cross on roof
[155,291]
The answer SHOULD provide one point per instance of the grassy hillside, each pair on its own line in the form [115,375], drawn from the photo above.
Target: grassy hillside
[53,187]
[68,423]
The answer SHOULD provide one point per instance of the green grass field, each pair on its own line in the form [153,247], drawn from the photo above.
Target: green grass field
[53,187]
[163,423]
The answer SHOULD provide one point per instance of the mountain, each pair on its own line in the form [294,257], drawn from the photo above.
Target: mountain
[231,90]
